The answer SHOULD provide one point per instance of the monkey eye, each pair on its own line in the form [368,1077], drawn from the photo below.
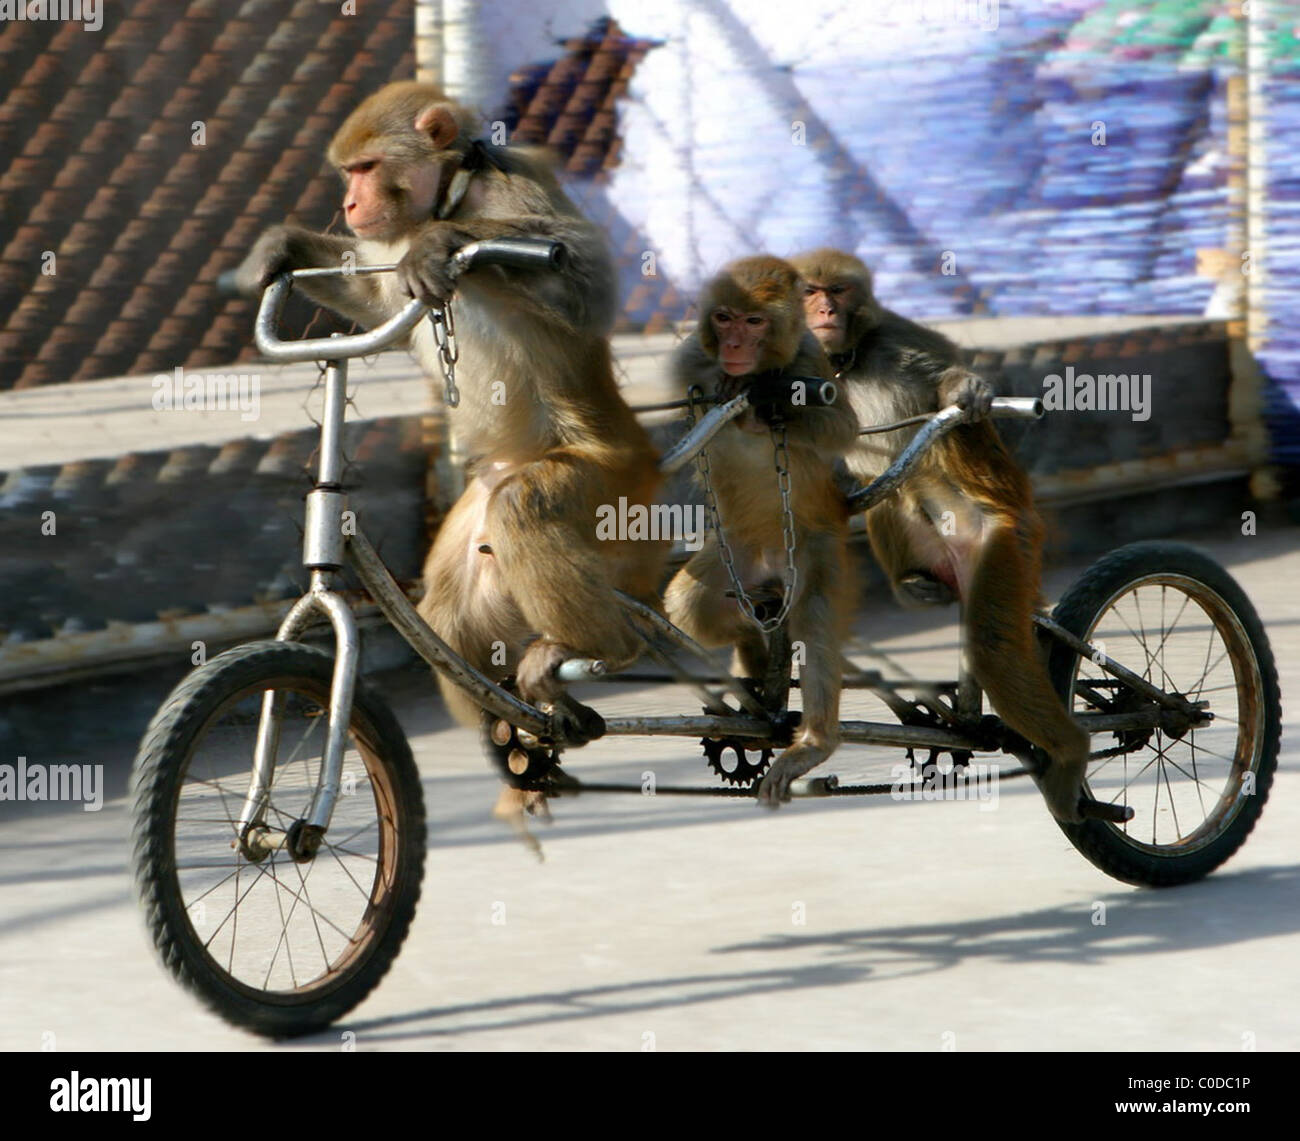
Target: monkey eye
[838,289]
[722,318]
[363,167]
[752,320]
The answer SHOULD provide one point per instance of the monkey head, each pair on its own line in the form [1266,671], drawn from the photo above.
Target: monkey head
[396,153]
[838,303]
[750,317]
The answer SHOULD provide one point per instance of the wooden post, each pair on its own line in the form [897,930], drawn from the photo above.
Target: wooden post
[1247,187]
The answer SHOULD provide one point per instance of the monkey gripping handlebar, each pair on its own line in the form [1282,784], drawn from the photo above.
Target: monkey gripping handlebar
[942,422]
[518,253]
[543,253]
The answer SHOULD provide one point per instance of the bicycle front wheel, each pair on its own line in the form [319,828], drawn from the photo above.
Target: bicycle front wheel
[273,945]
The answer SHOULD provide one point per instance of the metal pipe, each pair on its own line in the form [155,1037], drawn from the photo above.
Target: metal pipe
[708,426]
[687,727]
[342,687]
[682,640]
[326,348]
[944,421]
[1086,650]
[529,253]
[331,428]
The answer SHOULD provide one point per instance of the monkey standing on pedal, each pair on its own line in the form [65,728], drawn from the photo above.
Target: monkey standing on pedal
[751,336]
[964,524]
[516,566]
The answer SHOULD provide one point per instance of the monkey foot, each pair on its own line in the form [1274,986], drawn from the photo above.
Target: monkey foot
[1062,788]
[513,805]
[574,723]
[789,767]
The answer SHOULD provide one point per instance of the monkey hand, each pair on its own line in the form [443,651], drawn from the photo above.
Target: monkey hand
[274,252]
[425,271]
[971,393]
[770,399]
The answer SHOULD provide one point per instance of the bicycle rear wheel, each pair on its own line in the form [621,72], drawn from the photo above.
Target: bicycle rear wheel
[1172,615]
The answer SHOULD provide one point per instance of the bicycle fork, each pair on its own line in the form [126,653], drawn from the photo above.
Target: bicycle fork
[323,544]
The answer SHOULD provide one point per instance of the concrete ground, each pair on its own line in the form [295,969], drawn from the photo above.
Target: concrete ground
[691,924]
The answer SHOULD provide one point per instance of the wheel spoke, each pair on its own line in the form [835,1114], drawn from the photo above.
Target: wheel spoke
[284,935]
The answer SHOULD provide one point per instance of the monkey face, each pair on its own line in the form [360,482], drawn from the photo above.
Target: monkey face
[394,154]
[741,338]
[839,305]
[753,321]
[827,306]
[374,207]
[385,198]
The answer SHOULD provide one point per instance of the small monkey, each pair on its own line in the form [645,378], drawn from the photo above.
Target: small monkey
[751,336]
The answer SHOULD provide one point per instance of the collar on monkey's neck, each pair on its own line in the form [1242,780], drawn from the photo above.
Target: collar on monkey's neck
[841,362]
[477,156]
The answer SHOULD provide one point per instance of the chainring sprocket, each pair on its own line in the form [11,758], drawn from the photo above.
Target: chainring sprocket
[523,764]
[743,772]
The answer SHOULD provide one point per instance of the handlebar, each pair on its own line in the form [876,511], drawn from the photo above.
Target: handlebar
[516,253]
[944,421]
[710,424]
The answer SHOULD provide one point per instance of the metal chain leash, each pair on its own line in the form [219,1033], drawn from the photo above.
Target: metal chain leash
[781,460]
[444,334]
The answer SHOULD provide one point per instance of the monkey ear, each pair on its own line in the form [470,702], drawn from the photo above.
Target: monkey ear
[438,121]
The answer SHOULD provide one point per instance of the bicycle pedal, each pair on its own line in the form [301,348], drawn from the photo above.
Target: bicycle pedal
[1099,810]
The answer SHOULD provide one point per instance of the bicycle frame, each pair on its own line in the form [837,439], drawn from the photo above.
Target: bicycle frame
[326,547]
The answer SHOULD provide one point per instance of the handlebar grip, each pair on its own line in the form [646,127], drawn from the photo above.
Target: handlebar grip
[776,393]
[1017,408]
[517,253]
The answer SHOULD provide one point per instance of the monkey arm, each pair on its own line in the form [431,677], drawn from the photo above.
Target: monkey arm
[917,365]
[284,248]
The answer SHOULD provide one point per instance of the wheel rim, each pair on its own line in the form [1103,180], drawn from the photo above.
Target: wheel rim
[1182,636]
[279,931]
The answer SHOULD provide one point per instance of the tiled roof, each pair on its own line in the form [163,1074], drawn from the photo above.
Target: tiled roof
[103,167]
[105,171]
[568,104]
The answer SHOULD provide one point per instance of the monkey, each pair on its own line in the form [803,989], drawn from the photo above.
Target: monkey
[963,525]
[751,336]
[517,580]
